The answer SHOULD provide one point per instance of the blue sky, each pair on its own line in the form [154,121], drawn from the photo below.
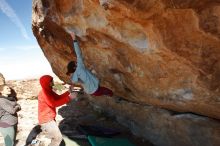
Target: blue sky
[20,54]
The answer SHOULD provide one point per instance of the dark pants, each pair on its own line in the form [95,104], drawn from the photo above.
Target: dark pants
[103,91]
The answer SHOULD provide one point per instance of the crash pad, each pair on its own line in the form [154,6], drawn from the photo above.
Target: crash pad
[101,141]
[97,130]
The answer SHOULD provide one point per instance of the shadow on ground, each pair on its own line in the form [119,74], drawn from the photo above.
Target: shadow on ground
[81,112]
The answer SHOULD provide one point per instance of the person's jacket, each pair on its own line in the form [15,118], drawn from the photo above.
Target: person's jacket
[82,75]
[8,109]
[48,100]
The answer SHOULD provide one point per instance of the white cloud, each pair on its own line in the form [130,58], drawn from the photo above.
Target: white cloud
[24,69]
[26,64]
[2,49]
[26,48]
[5,8]
[23,48]
[4,58]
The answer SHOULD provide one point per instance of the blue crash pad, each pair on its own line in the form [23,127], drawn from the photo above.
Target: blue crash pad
[100,141]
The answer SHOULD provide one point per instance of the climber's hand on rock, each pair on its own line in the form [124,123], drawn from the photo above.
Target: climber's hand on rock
[73,35]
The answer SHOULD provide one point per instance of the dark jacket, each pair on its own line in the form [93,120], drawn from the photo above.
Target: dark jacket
[8,109]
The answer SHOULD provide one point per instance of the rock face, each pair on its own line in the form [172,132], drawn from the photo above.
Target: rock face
[164,53]
[161,127]
[2,79]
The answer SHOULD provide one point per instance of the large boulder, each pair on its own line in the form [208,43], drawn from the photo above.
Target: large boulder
[162,127]
[163,53]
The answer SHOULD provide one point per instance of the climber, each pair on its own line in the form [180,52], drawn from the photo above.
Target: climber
[8,115]
[48,100]
[80,74]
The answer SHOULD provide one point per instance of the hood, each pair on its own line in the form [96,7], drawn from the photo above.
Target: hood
[11,98]
[45,82]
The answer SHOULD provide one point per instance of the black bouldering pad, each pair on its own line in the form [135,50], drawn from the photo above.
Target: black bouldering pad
[97,130]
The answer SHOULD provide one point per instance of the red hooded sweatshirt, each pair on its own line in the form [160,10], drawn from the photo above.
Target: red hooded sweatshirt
[48,100]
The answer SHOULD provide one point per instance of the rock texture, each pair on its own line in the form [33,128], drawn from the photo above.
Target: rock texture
[2,79]
[161,127]
[164,53]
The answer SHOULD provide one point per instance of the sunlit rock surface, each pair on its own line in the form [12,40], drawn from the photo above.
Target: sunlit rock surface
[2,79]
[163,53]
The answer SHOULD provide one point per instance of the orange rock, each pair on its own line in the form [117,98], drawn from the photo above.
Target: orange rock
[161,53]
